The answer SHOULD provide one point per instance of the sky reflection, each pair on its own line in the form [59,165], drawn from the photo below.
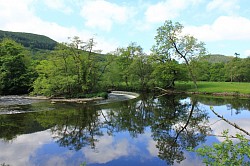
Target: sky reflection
[120,139]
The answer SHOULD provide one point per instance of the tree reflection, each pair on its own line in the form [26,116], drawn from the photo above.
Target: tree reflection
[175,124]
[129,116]
[17,124]
[76,127]
[238,104]
[178,126]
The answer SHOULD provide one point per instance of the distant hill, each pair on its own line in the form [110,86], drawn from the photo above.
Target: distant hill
[216,58]
[29,40]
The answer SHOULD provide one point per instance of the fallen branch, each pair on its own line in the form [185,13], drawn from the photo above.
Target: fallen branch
[233,124]
[215,135]
[165,90]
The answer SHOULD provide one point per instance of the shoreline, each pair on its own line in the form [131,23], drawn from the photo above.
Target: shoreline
[221,94]
[225,94]
[125,95]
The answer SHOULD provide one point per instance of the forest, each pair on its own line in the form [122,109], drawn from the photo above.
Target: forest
[29,40]
[40,66]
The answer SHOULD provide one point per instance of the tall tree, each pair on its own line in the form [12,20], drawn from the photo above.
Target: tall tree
[71,69]
[171,43]
[140,71]
[85,56]
[15,75]
[125,57]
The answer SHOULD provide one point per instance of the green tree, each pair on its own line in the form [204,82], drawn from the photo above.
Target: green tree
[238,70]
[16,74]
[71,69]
[227,152]
[242,70]
[111,77]
[87,63]
[129,67]
[140,71]
[217,72]
[201,70]
[170,43]
[125,59]
[165,73]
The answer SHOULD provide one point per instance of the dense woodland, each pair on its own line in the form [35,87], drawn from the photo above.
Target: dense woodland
[36,64]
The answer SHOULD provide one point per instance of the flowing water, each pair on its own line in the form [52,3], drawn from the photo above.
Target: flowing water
[147,130]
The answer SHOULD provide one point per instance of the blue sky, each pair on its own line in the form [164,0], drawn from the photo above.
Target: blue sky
[224,25]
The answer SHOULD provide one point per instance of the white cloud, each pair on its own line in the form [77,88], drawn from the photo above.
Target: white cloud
[22,148]
[56,160]
[166,10]
[14,10]
[153,151]
[221,126]
[106,45]
[102,14]
[203,33]
[59,5]
[227,6]
[223,28]
[247,53]
[19,16]
[108,150]
[190,160]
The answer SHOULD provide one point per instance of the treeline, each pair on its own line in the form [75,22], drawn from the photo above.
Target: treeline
[75,69]
[235,70]
[29,40]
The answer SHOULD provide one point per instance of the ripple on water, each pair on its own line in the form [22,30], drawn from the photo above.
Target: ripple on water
[15,104]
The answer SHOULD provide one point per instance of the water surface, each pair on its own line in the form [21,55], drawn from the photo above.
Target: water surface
[143,131]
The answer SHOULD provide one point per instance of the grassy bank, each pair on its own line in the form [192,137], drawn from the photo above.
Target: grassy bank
[215,87]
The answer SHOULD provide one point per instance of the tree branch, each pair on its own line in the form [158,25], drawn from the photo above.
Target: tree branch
[233,124]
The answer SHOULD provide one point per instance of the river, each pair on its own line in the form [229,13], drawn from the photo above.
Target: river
[148,130]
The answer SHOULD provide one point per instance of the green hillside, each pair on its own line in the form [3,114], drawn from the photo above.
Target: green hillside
[30,40]
[216,58]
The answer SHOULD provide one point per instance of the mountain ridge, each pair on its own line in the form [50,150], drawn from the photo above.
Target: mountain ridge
[30,40]
[216,58]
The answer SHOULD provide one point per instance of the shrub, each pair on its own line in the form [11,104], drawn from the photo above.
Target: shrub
[227,152]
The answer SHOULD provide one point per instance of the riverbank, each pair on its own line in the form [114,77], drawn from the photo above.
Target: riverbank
[234,89]
[215,88]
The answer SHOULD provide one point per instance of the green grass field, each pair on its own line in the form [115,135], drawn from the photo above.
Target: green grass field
[215,87]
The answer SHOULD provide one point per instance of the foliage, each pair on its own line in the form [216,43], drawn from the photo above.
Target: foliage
[227,152]
[129,69]
[238,70]
[231,69]
[72,68]
[171,43]
[17,72]
[165,74]
[174,125]
[76,68]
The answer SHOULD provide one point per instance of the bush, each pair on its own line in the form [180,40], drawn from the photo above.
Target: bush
[227,152]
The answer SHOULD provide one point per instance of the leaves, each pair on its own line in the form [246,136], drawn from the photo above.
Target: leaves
[16,70]
[227,152]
